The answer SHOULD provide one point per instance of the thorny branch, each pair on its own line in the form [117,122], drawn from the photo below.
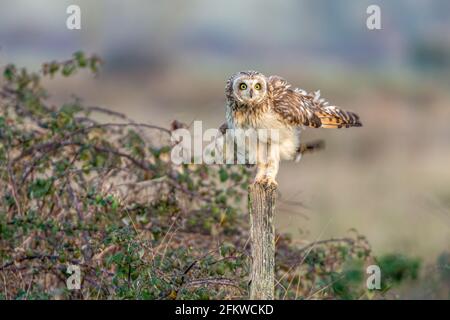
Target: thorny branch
[76,191]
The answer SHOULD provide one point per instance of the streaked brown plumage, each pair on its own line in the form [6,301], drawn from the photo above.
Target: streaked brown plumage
[259,102]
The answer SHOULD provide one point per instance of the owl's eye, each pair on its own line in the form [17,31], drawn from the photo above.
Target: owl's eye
[258,86]
[242,86]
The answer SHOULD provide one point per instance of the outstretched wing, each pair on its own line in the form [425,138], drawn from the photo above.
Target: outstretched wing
[301,108]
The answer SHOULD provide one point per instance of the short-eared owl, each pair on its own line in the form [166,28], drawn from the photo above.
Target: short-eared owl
[255,101]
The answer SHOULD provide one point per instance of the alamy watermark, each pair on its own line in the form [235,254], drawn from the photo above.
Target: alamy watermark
[373,282]
[373,21]
[235,146]
[73,282]
[73,21]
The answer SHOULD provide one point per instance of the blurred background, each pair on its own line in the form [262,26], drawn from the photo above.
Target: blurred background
[166,60]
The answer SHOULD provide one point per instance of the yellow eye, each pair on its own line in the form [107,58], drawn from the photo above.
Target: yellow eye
[258,86]
[242,86]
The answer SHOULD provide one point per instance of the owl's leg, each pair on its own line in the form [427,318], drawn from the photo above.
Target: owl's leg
[267,167]
[260,171]
[266,174]
[272,171]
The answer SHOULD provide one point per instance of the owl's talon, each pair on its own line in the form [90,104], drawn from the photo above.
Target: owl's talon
[267,182]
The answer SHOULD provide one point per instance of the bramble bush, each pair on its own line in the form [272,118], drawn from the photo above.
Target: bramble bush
[106,197]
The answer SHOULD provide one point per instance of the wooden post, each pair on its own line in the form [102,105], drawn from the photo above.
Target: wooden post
[262,235]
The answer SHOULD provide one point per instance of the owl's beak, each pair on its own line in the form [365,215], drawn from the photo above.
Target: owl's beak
[251,93]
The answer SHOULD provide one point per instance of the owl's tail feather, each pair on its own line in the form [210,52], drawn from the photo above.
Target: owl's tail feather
[334,118]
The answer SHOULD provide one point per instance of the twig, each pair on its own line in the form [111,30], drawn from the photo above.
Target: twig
[66,139]
[14,187]
[309,248]
[213,281]
[31,257]
[87,252]
[325,287]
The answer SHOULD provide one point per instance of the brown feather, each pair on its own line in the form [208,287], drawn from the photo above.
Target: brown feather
[307,109]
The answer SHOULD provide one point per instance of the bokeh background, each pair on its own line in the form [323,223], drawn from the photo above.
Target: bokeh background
[167,60]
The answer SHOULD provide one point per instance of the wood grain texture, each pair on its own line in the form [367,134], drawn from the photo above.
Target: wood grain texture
[262,232]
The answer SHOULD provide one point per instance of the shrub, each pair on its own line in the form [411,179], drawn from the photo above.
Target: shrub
[106,197]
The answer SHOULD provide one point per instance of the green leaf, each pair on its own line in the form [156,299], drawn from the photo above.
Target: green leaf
[53,68]
[223,174]
[70,108]
[81,59]
[68,69]
[40,188]
[9,72]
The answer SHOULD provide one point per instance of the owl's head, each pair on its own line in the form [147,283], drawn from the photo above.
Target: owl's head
[248,87]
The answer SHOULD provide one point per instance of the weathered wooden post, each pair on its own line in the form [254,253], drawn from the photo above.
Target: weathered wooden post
[262,232]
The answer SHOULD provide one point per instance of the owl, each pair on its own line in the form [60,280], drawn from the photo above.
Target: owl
[254,101]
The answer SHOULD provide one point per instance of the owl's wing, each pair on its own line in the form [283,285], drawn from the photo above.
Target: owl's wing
[300,108]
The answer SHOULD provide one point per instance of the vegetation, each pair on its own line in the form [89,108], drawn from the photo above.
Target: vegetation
[106,197]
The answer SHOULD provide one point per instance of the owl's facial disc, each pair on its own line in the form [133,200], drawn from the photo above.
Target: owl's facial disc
[250,90]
